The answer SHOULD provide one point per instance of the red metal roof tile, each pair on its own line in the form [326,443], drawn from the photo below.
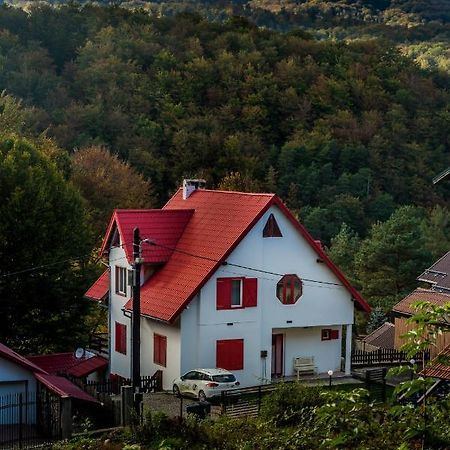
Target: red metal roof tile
[438,369]
[68,364]
[221,219]
[99,290]
[424,295]
[11,355]
[64,388]
[162,226]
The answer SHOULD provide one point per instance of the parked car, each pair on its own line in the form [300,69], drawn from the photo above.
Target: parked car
[204,383]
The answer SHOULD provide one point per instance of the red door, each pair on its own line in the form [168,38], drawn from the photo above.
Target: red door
[277,355]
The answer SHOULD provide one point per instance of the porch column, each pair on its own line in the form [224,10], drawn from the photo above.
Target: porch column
[348,348]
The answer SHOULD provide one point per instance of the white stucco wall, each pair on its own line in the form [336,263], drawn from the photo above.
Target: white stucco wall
[320,306]
[307,342]
[120,364]
[172,333]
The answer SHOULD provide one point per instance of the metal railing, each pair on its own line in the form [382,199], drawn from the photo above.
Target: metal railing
[28,419]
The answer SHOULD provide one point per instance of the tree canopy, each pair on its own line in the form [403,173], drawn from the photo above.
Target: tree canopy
[44,246]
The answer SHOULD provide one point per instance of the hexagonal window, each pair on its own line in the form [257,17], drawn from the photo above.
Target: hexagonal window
[289,289]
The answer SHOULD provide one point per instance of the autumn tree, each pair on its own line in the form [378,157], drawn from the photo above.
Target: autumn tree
[107,183]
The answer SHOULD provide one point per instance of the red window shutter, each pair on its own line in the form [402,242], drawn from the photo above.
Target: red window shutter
[121,338]
[230,354]
[118,337]
[160,349]
[223,300]
[250,292]
[334,334]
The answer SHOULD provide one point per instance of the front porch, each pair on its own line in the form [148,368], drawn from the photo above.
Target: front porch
[319,379]
[310,353]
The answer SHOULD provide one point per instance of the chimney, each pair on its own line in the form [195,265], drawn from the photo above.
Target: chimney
[189,186]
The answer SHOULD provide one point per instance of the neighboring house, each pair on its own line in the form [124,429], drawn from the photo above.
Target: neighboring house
[382,337]
[403,310]
[88,367]
[438,275]
[230,280]
[21,377]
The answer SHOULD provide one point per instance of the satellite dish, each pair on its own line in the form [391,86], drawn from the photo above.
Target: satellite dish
[79,353]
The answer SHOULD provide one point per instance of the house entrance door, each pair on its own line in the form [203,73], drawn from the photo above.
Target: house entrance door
[277,355]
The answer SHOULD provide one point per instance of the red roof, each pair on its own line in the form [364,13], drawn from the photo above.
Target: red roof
[438,369]
[11,355]
[162,226]
[63,387]
[68,364]
[99,290]
[220,221]
[404,306]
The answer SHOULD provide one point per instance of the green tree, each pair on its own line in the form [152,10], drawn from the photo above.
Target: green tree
[392,256]
[44,248]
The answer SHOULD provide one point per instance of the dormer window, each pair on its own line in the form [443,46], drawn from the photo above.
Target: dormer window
[271,229]
[289,289]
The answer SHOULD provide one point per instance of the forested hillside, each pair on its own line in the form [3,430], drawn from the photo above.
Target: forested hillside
[344,132]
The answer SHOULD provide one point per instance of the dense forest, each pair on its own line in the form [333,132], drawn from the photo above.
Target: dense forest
[348,133]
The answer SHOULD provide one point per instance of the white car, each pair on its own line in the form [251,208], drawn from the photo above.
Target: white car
[204,383]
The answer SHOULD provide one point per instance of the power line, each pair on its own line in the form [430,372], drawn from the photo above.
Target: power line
[226,263]
[43,266]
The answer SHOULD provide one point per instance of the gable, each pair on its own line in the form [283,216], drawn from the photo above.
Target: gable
[220,221]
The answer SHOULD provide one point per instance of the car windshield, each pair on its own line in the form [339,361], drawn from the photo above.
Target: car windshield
[225,378]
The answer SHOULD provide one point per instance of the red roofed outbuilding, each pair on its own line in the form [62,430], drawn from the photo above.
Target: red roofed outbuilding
[230,278]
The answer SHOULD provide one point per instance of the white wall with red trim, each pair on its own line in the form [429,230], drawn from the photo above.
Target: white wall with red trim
[320,306]
[120,363]
[171,369]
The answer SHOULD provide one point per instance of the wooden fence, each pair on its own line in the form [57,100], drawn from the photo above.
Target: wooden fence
[384,356]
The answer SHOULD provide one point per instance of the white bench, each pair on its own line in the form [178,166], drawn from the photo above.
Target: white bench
[304,365]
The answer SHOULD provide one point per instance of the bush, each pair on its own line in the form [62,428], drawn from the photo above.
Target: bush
[291,403]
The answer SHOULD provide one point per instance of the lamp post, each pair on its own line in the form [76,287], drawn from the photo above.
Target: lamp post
[330,374]
[412,361]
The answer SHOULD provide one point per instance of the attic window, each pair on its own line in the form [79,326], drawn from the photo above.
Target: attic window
[271,229]
[289,289]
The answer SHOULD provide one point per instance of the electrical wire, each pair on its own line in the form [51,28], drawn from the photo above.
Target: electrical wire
[226,263]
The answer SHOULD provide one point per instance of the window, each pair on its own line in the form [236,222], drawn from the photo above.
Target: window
[271,229]
[329,334]
[159,349]
[289,289]
[121,338]
[121,280]
[236,293]
[230,354]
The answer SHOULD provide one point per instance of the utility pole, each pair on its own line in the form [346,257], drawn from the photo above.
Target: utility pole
[136,320]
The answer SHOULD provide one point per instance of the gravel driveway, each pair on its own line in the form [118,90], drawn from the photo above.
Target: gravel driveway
[167,403]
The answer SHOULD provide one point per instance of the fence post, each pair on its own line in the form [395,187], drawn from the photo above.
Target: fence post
[224,405]
[127,404]
[384,384]
[20,420]
[259,398]
[66,417]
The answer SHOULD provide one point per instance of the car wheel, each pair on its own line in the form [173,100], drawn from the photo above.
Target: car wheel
[202,396]
[176,391]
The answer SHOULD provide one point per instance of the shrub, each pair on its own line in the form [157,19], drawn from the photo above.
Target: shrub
[291,403]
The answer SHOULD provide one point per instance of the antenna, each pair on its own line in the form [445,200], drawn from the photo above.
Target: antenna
[79,353]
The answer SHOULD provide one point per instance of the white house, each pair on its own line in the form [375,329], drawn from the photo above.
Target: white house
[230,280]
